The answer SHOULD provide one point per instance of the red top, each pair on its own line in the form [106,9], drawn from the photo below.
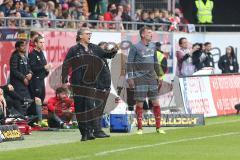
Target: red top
[108,16]
[58,106]
[31,47]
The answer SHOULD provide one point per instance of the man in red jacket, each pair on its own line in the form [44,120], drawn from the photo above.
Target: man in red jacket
[60,109]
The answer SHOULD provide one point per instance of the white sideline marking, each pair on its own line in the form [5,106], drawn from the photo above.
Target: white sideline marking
[104,153]
[214,123]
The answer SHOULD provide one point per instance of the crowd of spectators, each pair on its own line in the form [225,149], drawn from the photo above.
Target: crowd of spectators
[194,60]
[77,13]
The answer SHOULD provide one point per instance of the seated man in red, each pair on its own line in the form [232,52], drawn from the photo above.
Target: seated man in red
[60,109]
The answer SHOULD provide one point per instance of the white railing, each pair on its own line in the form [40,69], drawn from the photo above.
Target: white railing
[42,23]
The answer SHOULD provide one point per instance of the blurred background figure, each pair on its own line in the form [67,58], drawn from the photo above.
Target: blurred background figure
[228,63]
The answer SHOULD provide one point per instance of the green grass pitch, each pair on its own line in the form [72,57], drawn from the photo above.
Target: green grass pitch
[219,139]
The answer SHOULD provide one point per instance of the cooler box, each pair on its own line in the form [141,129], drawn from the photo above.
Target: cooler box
[120,123]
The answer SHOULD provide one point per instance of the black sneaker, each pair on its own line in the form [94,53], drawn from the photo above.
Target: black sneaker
[101,134]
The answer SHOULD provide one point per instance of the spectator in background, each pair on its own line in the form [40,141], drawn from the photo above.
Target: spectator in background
[228,63]
[42,7]
[165,20]
[33,11]
[77,10]
[151,17]
[85,8]
[156,15]
[51,10]
[144,19]
[18,7]
[1,20]
[108,14]
[43,23]
[196,56]
[116,15]
[120,8]
[208,62]
[203,58]
[60,109]
[137,15]
[101,24]
[175,21]
[182,55]
[33,35]
[188,68]
[12,23]
[6,7]
[126,15]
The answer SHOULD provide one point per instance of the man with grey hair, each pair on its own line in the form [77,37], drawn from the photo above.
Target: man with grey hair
[86,61]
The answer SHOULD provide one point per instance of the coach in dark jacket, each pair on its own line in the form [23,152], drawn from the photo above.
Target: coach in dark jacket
[86,61]
[228,62]
[20,72]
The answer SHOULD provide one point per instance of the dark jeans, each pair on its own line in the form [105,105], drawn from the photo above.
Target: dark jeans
[15,104]
[1,116]
[97,124]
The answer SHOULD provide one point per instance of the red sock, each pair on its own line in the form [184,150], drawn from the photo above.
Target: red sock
[139,113]
[157,114]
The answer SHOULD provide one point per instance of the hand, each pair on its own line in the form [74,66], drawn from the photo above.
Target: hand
[130,83]
[112,49]
[160,82]
[65,85]
[48,67]
[38,101]
[10,87]
[115,48]
[26,82]
[29,76]
[1,91]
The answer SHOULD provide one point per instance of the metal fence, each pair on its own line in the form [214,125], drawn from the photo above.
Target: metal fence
[151,4]
[39,23]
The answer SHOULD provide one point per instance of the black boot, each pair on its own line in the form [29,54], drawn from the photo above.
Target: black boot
[90,135]
[86,133]
[84,137]
[98,132]
[83,130]
[101,134]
